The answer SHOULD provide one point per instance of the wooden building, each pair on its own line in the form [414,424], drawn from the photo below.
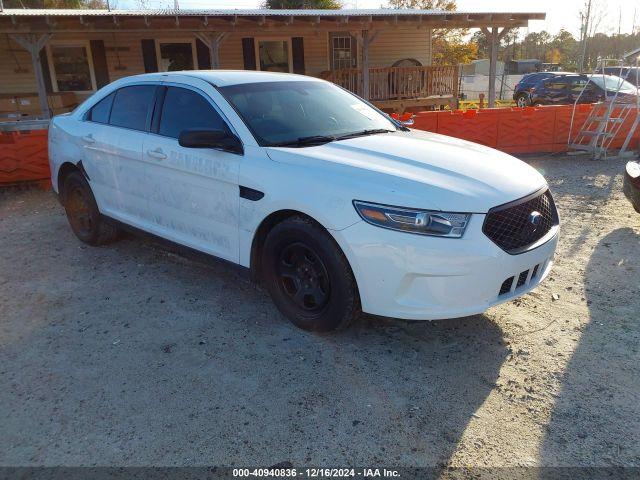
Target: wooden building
[383,55]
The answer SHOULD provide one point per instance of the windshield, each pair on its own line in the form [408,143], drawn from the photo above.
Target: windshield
[611,83]
[279,113]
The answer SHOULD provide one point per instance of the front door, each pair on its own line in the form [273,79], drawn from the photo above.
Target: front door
[557,91]
[195,197]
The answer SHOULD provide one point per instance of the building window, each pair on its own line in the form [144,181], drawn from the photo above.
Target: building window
[71,68]
[343,51]
[273,55]
[175,56]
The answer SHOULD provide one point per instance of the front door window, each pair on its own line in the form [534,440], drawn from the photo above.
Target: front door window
[273,55]
[176,56]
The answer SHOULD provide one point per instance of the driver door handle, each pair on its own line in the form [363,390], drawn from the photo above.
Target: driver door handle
[89,139]
[157,153]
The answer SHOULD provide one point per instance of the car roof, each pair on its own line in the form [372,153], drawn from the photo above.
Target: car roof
[224,78]
[550,74]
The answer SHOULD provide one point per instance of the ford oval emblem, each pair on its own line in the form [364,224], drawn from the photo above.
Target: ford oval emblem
[535,218]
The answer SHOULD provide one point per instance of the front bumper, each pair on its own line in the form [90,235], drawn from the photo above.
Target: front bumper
[631,184]
[419,277]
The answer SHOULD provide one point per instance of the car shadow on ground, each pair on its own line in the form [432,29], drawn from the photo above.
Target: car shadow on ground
[154,360]
[596,418]
[383,391]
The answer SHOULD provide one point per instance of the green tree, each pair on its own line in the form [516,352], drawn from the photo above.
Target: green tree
[567,47]
[302,4]
[449,5]
[480,40]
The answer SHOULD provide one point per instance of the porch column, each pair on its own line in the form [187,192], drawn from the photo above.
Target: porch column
[213,40]
[33,44]
[365,38]
[494,36]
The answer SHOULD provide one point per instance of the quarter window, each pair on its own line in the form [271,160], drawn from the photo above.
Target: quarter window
[71,68]
[101,110]
[184,109]
[131,106]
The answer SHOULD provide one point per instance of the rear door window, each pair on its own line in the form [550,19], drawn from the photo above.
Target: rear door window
[185,109]
[556,84]
[132,106]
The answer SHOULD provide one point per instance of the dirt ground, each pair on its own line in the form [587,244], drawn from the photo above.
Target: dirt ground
[130,355]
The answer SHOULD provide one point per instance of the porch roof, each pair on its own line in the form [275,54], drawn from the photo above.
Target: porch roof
[50,20]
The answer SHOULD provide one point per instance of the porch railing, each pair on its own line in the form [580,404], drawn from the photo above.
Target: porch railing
[397,83]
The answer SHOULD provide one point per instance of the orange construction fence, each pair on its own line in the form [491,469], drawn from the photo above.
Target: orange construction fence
[516,130]
[23,154]
[23,157]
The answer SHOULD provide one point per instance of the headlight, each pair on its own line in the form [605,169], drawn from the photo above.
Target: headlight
[423,222]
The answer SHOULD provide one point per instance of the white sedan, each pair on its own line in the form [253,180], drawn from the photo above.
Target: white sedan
[332,205]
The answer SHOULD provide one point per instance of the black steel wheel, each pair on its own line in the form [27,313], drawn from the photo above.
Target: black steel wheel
[308,276]
[304,277]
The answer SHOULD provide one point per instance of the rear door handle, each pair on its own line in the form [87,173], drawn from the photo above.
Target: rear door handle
[157,153]
[89,139]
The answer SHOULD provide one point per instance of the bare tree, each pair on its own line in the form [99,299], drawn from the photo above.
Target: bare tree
[591,16]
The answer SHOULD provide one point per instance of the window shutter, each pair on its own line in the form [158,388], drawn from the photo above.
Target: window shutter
[249,53]
[202,52]
[99,57]
[149,56]
[297,49]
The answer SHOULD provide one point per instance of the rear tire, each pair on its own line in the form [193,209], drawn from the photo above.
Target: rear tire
[308,276]
[83,214]
[522,100]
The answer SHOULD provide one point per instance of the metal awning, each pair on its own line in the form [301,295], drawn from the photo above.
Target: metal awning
[32,28]
[235,19]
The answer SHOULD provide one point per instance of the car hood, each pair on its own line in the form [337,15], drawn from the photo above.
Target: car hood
[418,169]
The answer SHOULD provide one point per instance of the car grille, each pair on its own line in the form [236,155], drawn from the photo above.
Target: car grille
[507,285]
[510,225]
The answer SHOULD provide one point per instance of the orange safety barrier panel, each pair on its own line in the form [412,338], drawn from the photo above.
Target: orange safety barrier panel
[24,157]
[516,130]
[478,125]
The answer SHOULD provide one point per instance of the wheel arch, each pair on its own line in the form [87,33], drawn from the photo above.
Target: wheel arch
[63,172]
[267,224]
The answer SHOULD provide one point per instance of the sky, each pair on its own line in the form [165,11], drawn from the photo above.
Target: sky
[560,13]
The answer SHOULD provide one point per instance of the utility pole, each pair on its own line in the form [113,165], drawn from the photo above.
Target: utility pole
[585,34]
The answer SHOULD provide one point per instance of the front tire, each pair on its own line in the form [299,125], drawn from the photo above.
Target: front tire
[308,276]
[83,214]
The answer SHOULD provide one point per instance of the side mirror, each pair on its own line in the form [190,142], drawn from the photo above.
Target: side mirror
[219,139]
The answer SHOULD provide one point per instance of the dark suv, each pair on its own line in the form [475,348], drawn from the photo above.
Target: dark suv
[521,90]
[567,88]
